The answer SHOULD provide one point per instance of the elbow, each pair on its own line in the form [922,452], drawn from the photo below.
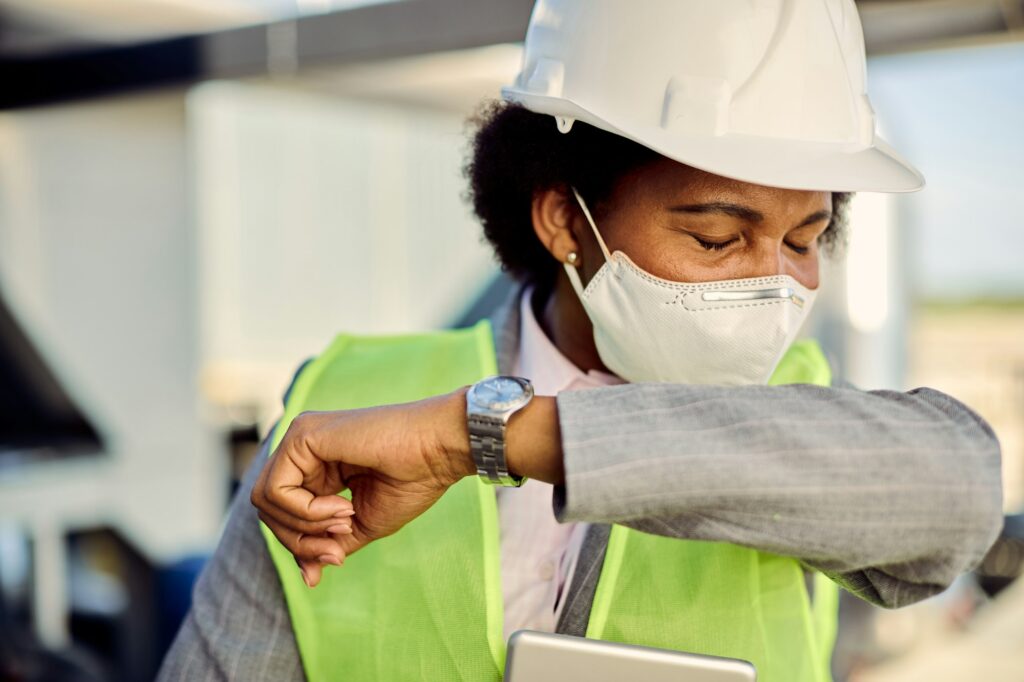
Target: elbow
[983,508]
[980,520]
[977,510]
[975,477]
[971,513]
[907,582]
[979,534]
[987,525]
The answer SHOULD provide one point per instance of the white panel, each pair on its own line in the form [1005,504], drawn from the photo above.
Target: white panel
[97,263]
[318,216]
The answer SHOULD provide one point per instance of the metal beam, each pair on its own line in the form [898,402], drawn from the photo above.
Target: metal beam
[409,27]
[368,33]
[44,80]
[371,32]
[892,26]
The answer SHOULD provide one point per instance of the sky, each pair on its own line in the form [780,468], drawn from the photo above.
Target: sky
[958,115]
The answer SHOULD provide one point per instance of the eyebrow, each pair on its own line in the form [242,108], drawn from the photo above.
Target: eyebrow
[744,212]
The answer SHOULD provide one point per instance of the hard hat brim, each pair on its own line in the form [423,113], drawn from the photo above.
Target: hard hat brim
[789,164]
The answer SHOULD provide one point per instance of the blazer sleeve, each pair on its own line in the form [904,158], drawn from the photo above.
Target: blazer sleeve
[891,494]
[238,627]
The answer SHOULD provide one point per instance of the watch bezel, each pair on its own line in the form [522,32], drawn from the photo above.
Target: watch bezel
[487,420]
[480,405]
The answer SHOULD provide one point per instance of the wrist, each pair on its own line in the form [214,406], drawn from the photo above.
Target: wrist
[533,445]
[533,440]
[454,436]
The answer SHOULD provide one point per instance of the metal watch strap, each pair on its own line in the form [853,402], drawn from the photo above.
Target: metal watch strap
[487,444]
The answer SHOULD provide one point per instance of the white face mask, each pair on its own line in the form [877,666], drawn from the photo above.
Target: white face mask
[651,329]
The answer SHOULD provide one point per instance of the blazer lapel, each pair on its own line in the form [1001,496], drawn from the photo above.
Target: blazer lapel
[583,582]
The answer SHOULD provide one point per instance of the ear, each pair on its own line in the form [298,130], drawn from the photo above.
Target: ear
[555,220]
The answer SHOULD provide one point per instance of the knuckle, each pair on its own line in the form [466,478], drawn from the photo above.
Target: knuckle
[294,427]
[308,425]
[301,432]
[303,423]
[271,495]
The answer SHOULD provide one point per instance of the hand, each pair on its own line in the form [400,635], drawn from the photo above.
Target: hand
[397,460]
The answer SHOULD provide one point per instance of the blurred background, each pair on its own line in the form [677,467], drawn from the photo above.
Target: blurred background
[197,195]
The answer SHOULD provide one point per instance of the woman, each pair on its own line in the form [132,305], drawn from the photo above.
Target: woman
[672,497]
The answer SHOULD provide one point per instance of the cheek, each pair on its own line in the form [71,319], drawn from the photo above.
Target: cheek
[668,256]
[631,232]
[668,259]
[656,249]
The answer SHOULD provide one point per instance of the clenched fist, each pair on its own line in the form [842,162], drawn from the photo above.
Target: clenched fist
[396,460]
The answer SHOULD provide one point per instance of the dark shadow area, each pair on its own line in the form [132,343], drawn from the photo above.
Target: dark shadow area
[38,419]
[31,81]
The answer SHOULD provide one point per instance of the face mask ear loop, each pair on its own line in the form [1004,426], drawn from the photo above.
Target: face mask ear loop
[574,279]
[590,219]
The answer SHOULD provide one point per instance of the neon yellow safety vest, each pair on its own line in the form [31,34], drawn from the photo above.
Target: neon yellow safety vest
[426,603]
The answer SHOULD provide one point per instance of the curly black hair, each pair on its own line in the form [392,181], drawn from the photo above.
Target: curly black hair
[516,152]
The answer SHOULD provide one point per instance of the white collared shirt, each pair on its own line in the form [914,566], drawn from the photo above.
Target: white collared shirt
[538,554]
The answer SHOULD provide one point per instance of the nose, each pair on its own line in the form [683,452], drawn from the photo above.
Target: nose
[770,260]
[771,257]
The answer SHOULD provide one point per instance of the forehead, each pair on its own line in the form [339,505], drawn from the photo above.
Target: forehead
[667,182]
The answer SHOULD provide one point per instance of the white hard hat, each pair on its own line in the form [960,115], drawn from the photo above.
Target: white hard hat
[766,91]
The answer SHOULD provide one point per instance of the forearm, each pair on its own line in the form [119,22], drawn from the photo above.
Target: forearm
[865,486]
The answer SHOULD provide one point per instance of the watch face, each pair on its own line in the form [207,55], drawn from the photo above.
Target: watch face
[499,393]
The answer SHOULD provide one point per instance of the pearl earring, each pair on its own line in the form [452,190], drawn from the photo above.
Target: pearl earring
[571,258]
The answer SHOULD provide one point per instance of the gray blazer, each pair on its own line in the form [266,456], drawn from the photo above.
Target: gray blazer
[892,495]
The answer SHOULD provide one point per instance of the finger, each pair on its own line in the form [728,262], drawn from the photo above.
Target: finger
[306,547]
[284,487]
[258,497]
[341,522]
[329,482]
[311,572]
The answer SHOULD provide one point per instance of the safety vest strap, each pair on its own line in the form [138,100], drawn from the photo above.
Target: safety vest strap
[424,604]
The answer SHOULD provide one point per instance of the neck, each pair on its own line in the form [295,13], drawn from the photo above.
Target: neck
[565,322]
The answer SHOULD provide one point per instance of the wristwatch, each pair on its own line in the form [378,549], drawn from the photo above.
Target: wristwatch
[490,403]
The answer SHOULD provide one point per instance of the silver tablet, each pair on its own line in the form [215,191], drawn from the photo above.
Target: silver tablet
[544,657]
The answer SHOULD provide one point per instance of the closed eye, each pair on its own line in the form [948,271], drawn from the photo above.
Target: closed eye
[714,246]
